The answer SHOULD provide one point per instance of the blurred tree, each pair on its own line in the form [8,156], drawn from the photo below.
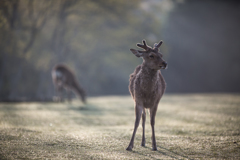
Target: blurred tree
[21,22]
[91,36]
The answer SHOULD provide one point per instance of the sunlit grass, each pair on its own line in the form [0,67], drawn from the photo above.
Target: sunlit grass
[187,127]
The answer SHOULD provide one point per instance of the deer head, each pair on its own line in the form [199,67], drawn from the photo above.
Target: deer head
[151,56]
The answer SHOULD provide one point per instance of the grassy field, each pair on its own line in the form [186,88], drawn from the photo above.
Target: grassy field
[194,126]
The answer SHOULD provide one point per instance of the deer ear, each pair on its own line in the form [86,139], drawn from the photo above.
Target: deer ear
[136,53]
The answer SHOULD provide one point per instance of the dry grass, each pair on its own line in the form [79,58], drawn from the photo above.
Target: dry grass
[197,126]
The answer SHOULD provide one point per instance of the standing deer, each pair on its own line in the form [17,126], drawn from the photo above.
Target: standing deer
[146,85]
[64,78]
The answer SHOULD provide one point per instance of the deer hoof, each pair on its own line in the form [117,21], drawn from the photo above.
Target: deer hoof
[129,149]
[154,149]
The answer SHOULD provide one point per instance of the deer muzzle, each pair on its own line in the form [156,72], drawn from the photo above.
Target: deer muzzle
[164,65]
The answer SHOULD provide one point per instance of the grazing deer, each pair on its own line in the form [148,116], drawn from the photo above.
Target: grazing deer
[147,86]
[64,78]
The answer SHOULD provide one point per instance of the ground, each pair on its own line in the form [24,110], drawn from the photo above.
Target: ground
[188,126]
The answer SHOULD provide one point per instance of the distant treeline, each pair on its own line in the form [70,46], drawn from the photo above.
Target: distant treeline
[94,37]
[91,37]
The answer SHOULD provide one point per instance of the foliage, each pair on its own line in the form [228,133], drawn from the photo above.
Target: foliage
[92,37]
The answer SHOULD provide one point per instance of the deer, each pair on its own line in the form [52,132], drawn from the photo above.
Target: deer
[64,78]
[147,86]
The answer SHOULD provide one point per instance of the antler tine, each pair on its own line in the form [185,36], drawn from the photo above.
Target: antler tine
[144,46]
[144,42]
[157,45]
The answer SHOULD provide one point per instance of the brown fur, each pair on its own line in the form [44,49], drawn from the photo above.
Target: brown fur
[64,78]
[139,83]
[147,85]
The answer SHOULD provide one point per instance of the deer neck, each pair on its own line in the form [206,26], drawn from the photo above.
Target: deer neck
[149,78]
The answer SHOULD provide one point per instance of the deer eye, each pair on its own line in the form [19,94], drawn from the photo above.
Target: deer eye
[151,56]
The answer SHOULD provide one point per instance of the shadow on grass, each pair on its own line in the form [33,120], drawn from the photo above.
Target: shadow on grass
[172,156]
[86,109]
[163,151]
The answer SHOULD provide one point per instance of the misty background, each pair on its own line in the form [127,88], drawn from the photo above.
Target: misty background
[93,37]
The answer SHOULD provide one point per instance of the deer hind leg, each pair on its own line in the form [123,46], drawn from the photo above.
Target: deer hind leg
[138,112]
[143,127]
[83,95]
[152,120]
[68,90]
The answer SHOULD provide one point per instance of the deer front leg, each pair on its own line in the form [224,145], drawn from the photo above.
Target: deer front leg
[58,93]
[138,112]
[143,127]
[152,119]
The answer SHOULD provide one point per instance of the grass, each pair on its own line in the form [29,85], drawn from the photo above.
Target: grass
[194,126]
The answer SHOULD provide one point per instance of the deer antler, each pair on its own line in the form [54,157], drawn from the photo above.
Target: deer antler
[157,45]
[144,46]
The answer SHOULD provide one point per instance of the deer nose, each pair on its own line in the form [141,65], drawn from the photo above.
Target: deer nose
[164,64]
